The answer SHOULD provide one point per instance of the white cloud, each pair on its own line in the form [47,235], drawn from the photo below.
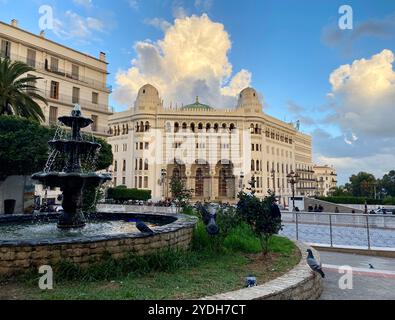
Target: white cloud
[364,95]
[204,5]
[134,4]
[191,59]
[158,23]
[84,3]
[73,26]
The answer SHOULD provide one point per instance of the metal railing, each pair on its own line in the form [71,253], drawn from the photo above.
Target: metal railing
[341,229]
[60,72]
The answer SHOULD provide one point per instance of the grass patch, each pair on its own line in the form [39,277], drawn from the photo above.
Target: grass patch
[165,275]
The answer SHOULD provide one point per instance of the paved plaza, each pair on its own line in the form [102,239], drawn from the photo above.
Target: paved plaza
[368,284]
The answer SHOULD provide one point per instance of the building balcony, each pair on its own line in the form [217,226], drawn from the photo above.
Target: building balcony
[39,66]
[70,100]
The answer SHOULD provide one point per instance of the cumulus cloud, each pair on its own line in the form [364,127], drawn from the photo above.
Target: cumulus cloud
[362,106]
[191,59]
[364,95]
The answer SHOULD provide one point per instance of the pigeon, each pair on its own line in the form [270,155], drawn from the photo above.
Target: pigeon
[142,227]
[250,281]
[204,213]
[313,264]
[212,228]
[371,266]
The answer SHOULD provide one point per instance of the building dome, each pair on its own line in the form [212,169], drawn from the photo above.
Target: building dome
[197,106]
[249,99]
[147,98]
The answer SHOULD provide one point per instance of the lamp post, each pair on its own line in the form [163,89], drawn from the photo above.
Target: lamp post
[241,181]
[293,178]
[163,174]
[252,185]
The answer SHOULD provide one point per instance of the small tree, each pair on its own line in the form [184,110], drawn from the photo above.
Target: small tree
[258,214]
[180,194]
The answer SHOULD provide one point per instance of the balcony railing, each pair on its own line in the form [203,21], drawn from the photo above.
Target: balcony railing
[61,72]
[63,98]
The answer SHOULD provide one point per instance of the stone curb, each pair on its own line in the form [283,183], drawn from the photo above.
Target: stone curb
[298,284]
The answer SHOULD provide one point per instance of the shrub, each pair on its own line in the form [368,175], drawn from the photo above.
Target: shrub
[227,219]
[124,194]
[258,214]
[242,238]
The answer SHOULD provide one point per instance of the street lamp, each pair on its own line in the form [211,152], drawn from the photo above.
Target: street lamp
[241,181]
[252,185]
[293,178]
[163,174]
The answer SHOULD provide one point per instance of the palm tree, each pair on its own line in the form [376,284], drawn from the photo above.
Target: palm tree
[17,93]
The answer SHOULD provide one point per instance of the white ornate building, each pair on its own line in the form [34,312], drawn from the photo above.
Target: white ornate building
[215,151]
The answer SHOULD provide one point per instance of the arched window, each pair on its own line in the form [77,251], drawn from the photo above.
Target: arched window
[140,164]
[168,127]
[224,127]
[200,126]
[231,127]
[256,129]
[184,127]
[176,127]
[208,127]
[216,127]
[192,127]
[199,183]
[147,126]
[141,126]
[252,128]
[146,164]
[127,128]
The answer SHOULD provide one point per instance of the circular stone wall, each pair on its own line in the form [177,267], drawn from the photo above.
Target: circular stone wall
[20,256]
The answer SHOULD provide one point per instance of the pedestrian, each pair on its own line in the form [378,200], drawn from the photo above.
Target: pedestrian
[336,210]
[275,210]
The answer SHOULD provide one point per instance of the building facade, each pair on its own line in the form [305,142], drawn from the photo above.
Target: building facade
[326,180]
[216,152]
[68,77]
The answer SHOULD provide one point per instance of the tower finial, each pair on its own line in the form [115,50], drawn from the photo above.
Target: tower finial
[197,99]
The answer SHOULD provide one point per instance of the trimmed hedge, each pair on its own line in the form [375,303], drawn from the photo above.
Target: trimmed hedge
[358,200]
[124,194]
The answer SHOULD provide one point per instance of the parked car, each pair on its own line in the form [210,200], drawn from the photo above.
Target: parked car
[384,211]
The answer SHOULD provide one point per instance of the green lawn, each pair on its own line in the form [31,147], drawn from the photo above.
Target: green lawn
[208,274]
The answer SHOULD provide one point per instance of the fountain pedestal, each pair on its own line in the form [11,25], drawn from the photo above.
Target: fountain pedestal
[72,180]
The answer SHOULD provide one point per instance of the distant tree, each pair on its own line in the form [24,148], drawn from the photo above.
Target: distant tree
[387,184]
[180,194]
[339,191]
[18,94]
[363,184]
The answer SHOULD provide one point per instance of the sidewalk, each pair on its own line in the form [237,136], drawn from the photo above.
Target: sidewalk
[370,284]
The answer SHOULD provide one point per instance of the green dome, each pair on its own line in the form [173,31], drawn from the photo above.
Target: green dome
[197,106]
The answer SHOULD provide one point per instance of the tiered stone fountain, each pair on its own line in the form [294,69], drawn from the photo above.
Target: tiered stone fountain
[72,180]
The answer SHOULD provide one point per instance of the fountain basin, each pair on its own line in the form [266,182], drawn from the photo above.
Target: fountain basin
[85,248]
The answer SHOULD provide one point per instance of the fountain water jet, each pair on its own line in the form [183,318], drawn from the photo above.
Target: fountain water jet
[72,180]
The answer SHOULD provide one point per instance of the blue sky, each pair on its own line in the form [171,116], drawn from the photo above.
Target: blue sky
[287,50]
